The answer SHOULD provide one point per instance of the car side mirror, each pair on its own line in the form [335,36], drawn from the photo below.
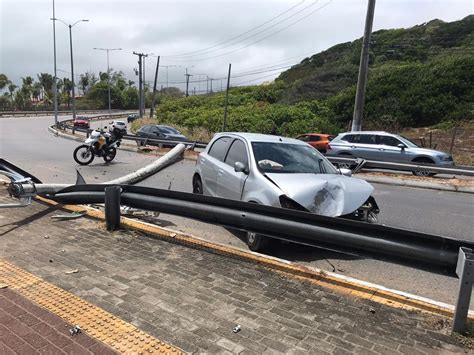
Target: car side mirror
[345,172]
[240,168]
[401,146]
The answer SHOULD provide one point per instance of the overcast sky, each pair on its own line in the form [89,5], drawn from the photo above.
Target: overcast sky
[285,32]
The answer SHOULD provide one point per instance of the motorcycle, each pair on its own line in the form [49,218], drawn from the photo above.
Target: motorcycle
[100,144]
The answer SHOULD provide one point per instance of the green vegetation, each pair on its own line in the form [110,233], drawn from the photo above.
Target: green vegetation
[419,76]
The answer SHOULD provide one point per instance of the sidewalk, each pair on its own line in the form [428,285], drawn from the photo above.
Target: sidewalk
[193,299]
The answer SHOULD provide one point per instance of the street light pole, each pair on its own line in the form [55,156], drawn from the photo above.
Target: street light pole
[72,61]
[72,75]
[55,93]
[108,72]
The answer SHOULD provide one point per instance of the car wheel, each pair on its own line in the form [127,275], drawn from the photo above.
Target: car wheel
[423,172]
[197,185]
[257,242]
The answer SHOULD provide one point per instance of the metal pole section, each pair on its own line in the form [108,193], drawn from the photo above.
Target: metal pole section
[112,207]
[55,89]
[144,85]
[154,87]
[72,75]
[187,82]
[140,112]
[363,69]
[108,81]
[224,126]
[465,272]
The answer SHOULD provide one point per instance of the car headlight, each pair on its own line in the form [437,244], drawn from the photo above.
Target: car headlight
[445,157]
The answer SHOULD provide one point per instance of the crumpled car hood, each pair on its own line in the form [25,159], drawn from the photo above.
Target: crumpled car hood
[325,194]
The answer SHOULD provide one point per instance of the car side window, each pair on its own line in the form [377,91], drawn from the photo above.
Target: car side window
[364,139]
[314,138]
[219,148]
[388,140]
[237,152]
[303,138]
[347,138]
[145,129]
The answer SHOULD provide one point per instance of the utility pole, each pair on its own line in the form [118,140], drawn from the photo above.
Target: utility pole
[207,84]
[154,87]
[187,81]
[108,72]
[224,126]
[140,83]
[55,89]
[363,69]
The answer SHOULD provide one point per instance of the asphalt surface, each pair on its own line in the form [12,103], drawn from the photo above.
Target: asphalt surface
[27,143]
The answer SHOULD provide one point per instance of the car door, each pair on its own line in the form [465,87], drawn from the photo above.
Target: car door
[229,182]
[389,150]
[211,162]
[364,146]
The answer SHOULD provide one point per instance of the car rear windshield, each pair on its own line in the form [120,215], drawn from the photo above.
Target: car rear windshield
[290,159]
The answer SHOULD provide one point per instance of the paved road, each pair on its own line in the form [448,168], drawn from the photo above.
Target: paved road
[26,142]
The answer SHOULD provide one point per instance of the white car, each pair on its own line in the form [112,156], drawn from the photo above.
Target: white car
[281,172]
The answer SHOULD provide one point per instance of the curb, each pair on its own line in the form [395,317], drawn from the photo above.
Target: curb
[336,282]
[418,184]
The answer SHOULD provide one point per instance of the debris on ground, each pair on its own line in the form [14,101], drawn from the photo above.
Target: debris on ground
[237,328]
[75,330]
[72,215]
[3,286]
[72,271]
[46,237]
[372,310]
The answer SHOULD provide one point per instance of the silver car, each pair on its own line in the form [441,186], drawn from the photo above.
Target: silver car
[281,172]
[388,147]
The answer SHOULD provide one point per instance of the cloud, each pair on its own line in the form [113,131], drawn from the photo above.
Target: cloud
[176,27]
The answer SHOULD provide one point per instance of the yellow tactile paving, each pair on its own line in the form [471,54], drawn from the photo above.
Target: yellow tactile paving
[118,334]
[296,271]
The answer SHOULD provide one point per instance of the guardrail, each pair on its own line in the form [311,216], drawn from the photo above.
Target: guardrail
[48,113]
[338,234]
[140,140]
[355,163]
[375,164]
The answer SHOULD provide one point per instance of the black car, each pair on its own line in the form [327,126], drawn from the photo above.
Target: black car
[159,132]
[132,117]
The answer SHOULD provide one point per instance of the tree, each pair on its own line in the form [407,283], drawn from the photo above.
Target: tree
[3,81]
[46,81]
[67,88]
[11,88]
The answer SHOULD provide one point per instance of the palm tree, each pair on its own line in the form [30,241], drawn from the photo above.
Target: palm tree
[11,89]
[3,81]
[46,81]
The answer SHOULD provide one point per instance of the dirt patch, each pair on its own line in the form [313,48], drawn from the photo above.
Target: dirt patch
[463,147]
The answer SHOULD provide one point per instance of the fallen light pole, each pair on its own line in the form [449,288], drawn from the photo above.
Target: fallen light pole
[35,187]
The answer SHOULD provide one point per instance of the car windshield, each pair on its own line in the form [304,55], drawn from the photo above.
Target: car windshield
[408,142]
[290,159]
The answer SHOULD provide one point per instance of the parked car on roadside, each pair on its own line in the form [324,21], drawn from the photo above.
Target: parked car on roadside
[280,172]
[317,140]
[383,146]
[82,122]
[160,132]
[132,117]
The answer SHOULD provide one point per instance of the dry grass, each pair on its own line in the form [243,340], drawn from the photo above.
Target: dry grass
[463,150]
